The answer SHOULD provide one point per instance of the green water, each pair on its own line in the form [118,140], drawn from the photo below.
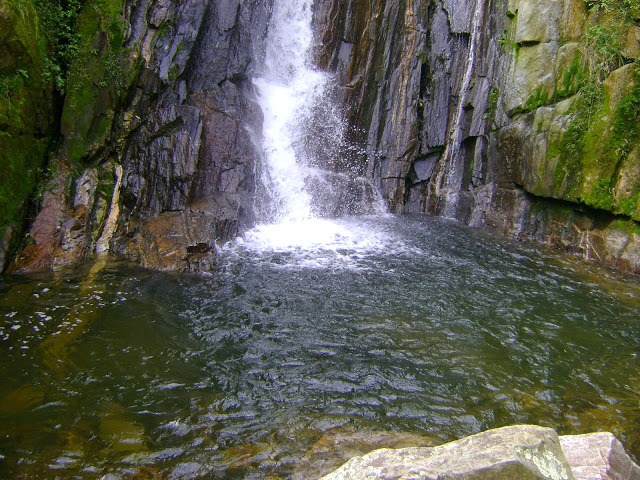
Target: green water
[426,328]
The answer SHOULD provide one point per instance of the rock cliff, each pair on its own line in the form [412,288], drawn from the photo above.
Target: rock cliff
[156,154]
[521,117]
[518,116]
[26,114]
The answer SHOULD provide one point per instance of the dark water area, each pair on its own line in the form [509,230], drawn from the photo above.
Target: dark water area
[424,327]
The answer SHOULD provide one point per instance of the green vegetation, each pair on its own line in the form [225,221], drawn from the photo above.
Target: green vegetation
[604,44]
[597,142]
[625,225]
[601,136]
[59,18]
[26,108]
[538,100]
[67,54]
[492,103]
[574,78]
[506,44]
[624,10]
[98,79]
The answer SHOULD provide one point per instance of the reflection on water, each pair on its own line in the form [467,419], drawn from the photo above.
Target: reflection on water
[411,325]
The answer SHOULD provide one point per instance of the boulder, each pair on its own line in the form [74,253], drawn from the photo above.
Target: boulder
[598,456]
[522,452]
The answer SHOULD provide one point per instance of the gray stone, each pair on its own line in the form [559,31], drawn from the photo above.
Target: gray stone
[598,456]
[85,188]
[537,20]
[518,452]
[532,75]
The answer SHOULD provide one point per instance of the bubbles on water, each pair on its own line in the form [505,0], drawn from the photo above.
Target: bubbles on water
[317,243]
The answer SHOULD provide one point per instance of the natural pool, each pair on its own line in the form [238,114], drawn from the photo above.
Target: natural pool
[405,324]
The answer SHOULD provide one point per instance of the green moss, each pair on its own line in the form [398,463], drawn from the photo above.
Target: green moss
[573,79]
[539,99]
[26,110]
[627,114]
[568,175]
[506,44]
[629,206]
[174,73]
[625,225]
[492,101]
[21,159]
[98,79]
[595,147]
[600,195]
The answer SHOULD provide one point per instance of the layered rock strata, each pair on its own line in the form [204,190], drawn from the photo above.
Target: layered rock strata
[521,117]
[157,157]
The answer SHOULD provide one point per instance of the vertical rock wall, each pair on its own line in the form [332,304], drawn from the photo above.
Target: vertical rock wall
[159,115]
[26,115]
[474,110]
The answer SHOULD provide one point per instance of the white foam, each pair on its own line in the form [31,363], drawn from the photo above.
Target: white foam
[317,243]
[286,91]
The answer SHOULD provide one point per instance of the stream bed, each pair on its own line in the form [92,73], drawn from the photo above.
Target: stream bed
[401,324]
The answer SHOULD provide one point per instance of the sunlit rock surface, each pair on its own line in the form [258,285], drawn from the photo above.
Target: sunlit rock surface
[596,456]
[522,452]
[337,446]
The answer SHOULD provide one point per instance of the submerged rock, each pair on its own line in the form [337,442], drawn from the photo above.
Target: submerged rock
[337,446]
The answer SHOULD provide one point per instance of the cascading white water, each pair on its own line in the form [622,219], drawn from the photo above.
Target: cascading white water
[287,88]
[300,130]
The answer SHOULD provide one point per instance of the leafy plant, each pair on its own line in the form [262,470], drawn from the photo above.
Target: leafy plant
[605,45]
[60,20]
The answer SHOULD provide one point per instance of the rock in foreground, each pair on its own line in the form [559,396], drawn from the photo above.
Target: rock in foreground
[597,456]
[518,452]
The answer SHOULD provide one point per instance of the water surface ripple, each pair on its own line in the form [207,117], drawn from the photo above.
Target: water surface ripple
[404,324]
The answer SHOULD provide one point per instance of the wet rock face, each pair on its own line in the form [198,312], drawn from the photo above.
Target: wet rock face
[190,137]
[177,113]
[193,116]
[27,121]
[472,110]
[405,66]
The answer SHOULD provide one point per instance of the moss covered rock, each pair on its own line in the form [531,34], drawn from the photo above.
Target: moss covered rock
[99,76]
[26,108]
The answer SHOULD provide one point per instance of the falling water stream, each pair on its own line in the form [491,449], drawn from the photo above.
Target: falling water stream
[315,328]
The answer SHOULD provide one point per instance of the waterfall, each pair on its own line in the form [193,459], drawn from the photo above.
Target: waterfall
[304,173]
[286,89]
[308,184]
